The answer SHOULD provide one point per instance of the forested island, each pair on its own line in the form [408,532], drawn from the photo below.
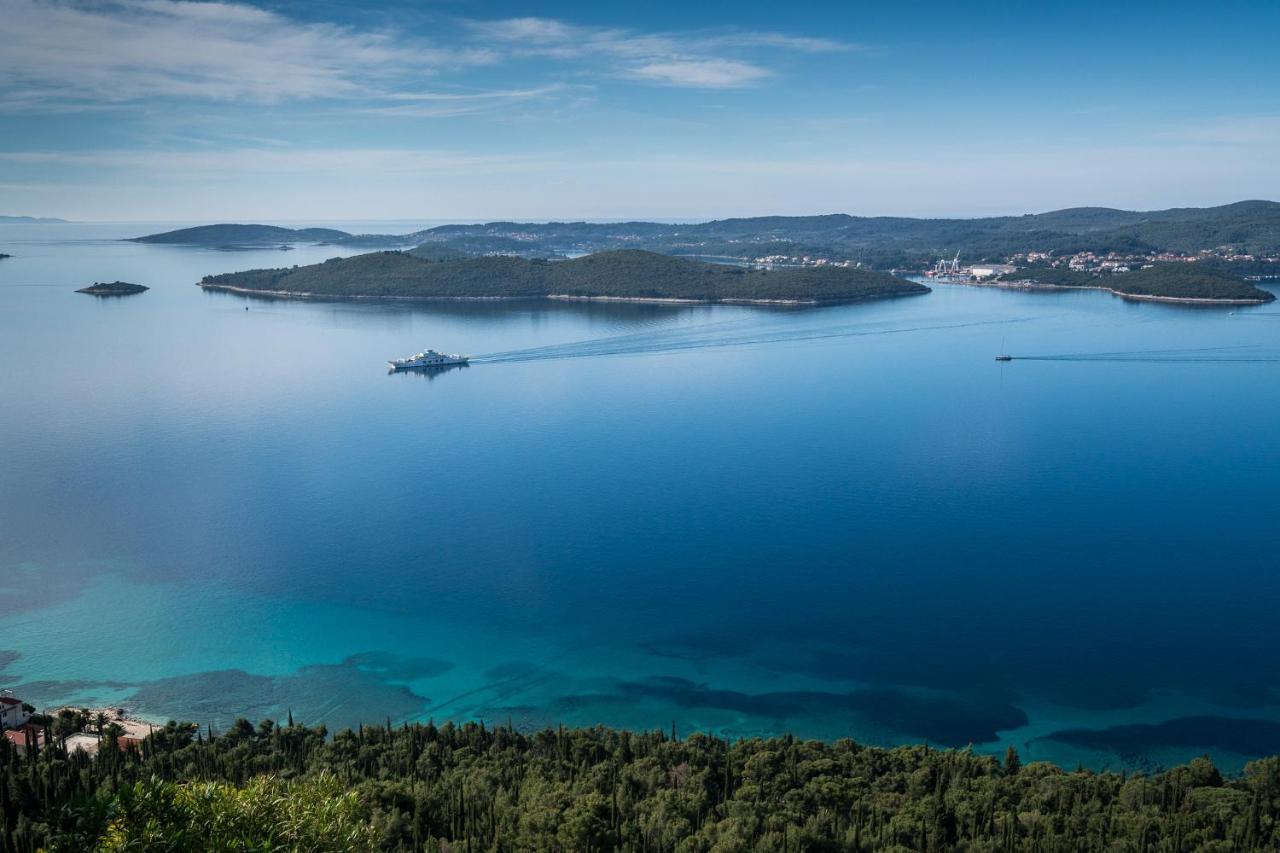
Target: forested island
[113,288]
[471,787]
[242,235]
[621,274]
[1179,282]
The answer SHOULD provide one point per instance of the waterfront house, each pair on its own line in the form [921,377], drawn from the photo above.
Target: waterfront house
[13,714]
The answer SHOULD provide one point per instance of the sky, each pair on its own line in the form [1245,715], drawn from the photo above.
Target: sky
[309,111]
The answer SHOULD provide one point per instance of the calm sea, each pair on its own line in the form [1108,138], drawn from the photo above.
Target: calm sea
[836,522]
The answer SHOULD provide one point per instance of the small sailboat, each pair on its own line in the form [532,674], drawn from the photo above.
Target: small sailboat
[1003,356]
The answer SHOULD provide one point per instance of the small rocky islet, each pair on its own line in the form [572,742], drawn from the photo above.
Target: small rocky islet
[113,288]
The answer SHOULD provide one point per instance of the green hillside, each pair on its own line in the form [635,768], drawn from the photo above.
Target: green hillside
[879,242]
[1186,281]
[1168,281]
[471,787]
[627,273]
[884,242]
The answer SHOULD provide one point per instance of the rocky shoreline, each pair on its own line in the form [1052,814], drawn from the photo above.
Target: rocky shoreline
[561,297]
[1137,297]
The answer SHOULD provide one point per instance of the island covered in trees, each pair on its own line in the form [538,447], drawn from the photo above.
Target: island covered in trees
[113,288]
[471,787]
[621,274]
[1172,282]
[242,235]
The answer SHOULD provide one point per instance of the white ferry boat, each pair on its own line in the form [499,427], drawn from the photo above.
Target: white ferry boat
[428,359]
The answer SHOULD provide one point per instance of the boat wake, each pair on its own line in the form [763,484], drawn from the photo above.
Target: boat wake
[1243,354]
[710,336]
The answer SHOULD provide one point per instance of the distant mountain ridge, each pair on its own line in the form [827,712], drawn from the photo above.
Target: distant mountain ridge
[24,219]
[885,241]
[878,242]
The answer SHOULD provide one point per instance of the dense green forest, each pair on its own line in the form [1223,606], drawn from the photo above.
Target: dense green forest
[1170,281]
[242,235]
[1053,277]
[628,273]
[1187,281]
[455,788]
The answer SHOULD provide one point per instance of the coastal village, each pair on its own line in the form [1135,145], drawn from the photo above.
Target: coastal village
[84,730]
[1087,262]
[1117,262]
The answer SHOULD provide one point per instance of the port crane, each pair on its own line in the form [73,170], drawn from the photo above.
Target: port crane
[945,268]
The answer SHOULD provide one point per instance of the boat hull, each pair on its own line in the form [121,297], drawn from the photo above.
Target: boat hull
[427,365]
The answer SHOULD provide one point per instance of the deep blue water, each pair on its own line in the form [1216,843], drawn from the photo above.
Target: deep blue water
[836,522]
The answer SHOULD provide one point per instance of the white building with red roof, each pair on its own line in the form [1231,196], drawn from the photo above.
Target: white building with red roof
[13,714]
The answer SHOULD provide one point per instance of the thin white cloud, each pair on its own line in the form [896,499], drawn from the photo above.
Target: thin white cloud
[61,55]
[691,59]
[804,44]
[96,52]
[446,104]
[702,73]
[273,161]
[547,34]
[536,30]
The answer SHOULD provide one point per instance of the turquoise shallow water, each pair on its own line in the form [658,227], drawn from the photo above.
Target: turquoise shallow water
[838,522]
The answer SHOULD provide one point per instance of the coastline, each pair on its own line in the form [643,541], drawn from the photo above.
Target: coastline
[1136,297]
[134,725]
[562,297]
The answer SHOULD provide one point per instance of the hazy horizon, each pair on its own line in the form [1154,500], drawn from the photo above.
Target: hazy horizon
[435,221]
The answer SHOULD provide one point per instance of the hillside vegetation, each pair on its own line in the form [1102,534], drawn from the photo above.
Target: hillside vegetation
[885,242]
[622,274]
[878,242]
[1167,281]
[242,235]
[1186,281]
[419,787]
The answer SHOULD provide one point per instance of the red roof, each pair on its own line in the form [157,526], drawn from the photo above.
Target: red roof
[9,700]
[18,737]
